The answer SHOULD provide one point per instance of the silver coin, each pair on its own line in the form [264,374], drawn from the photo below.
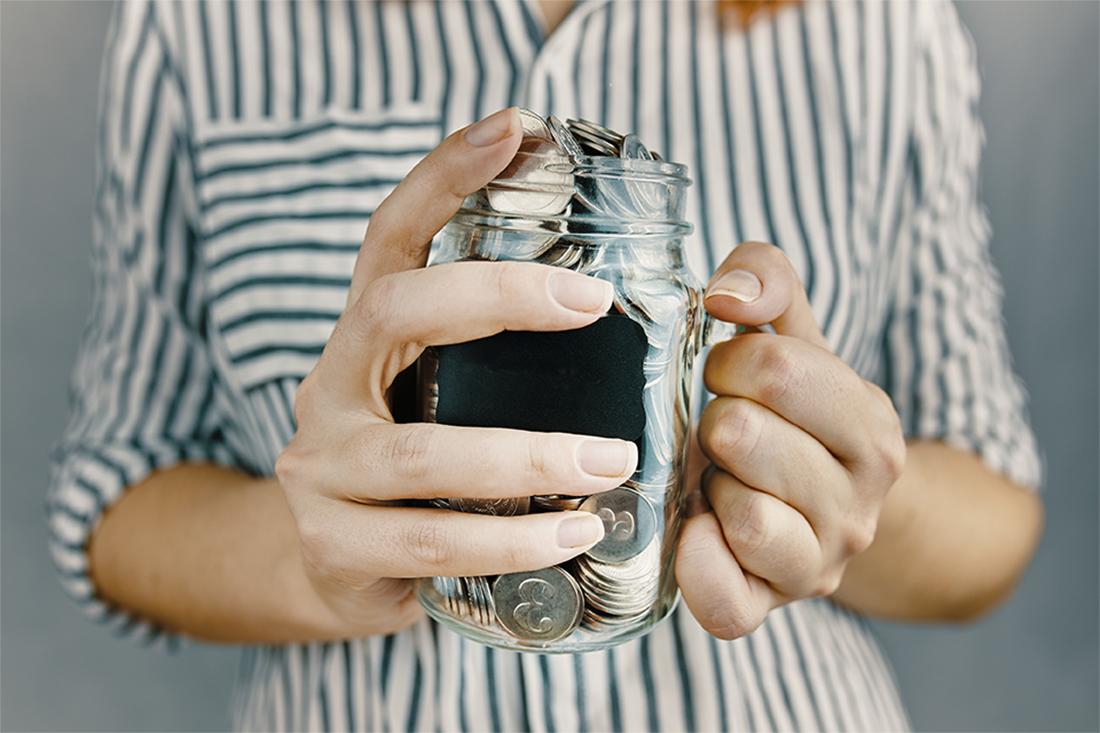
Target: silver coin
[643,568]
[594,620]
[480,598]
[510,506]
[453,597]
[632,148]
[539,179]
[541,605]
[563,255]
[534,125]
[595,145]
[557,502]
[565,138]
[629,524]
[595,129]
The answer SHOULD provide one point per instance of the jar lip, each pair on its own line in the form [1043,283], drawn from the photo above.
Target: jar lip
[661,171]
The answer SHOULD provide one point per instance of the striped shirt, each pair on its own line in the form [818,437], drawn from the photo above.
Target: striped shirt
[243,147]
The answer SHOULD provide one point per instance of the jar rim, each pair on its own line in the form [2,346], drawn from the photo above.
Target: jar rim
[626,168]
[597,229]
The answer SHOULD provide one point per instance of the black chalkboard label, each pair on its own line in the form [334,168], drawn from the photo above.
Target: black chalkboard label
[587,381]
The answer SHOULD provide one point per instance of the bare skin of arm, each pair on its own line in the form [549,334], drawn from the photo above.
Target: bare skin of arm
[213,553]
[954,537]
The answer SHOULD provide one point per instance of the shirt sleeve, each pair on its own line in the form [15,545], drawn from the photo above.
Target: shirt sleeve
[143,390]
[949,369]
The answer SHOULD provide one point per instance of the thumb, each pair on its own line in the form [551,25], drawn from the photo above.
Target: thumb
[755,285]
[401,229]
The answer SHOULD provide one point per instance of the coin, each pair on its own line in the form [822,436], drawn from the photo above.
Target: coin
[595,130]
[448,589]
[619,594]
[534,125]
[557,502]
[565,138]
[632,148]
[595,145]
[507,507]
[539,180]
[480,599]
[541,605]
[629,524]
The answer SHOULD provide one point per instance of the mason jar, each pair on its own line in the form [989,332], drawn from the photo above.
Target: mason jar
[628,376]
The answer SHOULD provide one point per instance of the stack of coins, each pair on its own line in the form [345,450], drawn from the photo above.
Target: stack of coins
[619,594]
[469,598]
[620,575]
[616,583]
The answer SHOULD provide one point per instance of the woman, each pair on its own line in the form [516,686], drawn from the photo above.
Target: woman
[204,488]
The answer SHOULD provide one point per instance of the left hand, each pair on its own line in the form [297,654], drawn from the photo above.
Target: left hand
[803,452]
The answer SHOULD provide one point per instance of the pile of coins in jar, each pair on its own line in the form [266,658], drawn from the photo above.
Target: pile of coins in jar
[616,584]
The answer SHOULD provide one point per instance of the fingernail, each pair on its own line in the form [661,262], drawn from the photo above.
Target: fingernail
[606,457]
[580,292]
[739,284]
[580,531]
[492,129]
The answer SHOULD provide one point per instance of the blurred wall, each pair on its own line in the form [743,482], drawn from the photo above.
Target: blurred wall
[1031,666]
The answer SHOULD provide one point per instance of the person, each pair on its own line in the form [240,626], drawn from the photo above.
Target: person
[231,465]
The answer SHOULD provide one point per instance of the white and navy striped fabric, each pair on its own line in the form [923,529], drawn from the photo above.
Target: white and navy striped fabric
[243,147]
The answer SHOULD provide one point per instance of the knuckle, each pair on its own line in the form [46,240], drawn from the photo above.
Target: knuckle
[287,468]
[888,437]
[406,450]
[859,536]
[693,547]
[777,370]
[313,543]
[515,556]
[294,466]
[880,395]
[429,544]
[503,281]
[751,530]
[380,218]
[733,621]
[304,397]
[736,436]
[539,464]
[377,303]
[827,584]
[436,172]
[892,454]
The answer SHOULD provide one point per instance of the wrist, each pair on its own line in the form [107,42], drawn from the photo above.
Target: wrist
[307,615]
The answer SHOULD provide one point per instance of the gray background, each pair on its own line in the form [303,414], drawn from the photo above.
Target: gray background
[1030,666]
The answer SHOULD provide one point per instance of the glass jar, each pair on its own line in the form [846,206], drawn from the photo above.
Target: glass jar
[628,376]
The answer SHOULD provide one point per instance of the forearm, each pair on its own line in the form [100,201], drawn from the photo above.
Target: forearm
[952,541]
[211,553]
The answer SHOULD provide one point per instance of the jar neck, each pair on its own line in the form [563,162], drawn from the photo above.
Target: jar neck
[472,236]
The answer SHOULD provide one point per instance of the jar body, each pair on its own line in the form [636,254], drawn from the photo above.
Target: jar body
[628,376]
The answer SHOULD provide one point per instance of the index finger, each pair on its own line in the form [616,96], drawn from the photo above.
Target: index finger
[401,228]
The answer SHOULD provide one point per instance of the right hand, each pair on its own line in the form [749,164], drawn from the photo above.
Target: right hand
[348,465]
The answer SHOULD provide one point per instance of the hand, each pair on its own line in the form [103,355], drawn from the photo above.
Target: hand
[803,452]
[348,466]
